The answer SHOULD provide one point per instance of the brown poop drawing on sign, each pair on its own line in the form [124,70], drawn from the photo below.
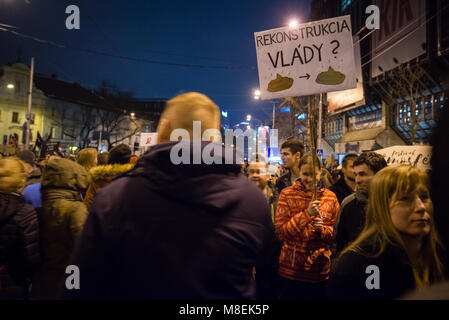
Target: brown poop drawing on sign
[330,77]
[280,83]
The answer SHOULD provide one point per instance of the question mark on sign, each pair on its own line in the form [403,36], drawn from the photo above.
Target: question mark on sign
[334,51]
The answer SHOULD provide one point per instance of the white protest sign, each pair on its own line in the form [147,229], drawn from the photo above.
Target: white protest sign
[148,139]
[416,155]
[308,59]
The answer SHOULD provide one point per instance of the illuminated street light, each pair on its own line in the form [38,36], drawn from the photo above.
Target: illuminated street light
[10,86]
[293,24]
[248,117]
[256,94]
[132,114]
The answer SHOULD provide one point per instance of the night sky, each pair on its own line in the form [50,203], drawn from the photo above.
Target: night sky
[216,37]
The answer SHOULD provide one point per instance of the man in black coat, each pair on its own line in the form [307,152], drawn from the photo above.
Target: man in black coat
[351,217]
[346,184]
[175,230]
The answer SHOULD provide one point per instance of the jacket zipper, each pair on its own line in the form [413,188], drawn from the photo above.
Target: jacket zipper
[294,254]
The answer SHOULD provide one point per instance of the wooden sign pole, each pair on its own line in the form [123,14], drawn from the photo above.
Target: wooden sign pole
[312,132]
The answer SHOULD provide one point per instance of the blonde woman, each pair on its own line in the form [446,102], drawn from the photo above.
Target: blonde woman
[396,251]
[88,158]
[19,232]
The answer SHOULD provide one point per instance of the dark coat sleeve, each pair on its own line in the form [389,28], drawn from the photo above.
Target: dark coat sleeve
[266,268]
[28,236]
[341,237]
[347,281]
[92,256]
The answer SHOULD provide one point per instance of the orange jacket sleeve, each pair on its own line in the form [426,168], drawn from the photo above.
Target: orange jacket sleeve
[329,211]
[289,226]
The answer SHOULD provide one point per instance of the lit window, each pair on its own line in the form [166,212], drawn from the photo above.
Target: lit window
[345,4]
[15,117]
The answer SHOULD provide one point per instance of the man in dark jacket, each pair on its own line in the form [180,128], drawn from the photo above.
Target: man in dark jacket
[346,184]
[352,210]
[167,231]
[291,152]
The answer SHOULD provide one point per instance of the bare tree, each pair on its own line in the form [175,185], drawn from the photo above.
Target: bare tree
[117,126]
[298,124]
[114,120]
[406,85]
[80,125]
[88,122]
[67,125]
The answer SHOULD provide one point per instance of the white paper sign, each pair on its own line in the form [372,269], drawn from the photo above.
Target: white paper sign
[148,139]
[308,59]
[416,155]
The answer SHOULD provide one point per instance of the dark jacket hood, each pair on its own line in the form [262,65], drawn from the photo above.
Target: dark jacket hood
[215,185]
[9,205]
[64,174]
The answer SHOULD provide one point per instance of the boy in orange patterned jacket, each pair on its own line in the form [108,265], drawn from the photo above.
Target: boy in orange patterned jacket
[306,229]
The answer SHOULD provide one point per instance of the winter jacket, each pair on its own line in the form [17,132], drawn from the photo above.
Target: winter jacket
[102,176]
[283,182]
[305,254]
[19,246]
[166,231]
[341,189]
[351,220]
[350,276]
[62,218]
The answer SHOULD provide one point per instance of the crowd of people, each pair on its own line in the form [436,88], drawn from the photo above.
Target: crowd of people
[149,228]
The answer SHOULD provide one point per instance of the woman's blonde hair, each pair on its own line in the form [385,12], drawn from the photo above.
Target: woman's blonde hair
[12,175]
[387,185]
[88,158]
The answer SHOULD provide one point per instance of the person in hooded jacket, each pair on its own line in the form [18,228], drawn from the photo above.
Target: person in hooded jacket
[118,163]
[62,219]
[175,227]
[19,232]
[305,226]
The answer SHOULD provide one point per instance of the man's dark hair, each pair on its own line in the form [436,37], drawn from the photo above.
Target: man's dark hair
[373,160]
[120,154]
[351,156]
[294,146]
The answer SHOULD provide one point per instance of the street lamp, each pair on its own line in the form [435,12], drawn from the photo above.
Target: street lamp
[257,97]
[293,24]
[10,86]
[248,117]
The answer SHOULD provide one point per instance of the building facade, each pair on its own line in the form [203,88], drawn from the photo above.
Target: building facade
[69,113]
[403,88]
